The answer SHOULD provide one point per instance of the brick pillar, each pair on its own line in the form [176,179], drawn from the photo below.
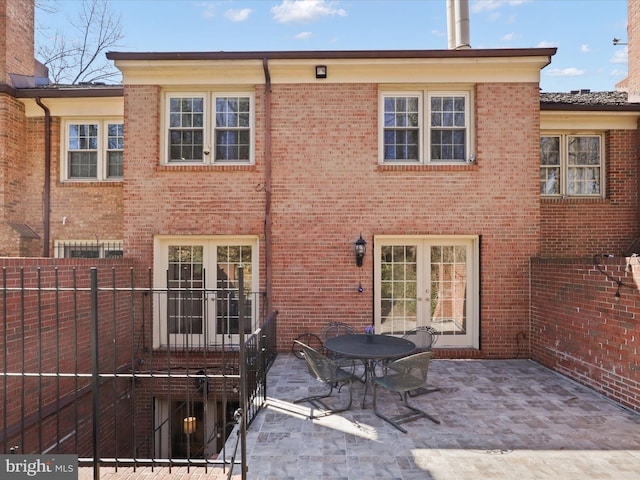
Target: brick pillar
[16,57]
[16,38]
[633,38]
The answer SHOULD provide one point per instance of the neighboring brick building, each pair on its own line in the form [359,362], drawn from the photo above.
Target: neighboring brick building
[280,161]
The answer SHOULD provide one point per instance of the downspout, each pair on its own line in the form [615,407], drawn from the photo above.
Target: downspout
[267,185]
[46,200]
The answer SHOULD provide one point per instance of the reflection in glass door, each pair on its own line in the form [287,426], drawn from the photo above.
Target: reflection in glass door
[428,281]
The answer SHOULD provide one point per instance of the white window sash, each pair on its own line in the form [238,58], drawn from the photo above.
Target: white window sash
[425,154]
[101,151]
[565,168]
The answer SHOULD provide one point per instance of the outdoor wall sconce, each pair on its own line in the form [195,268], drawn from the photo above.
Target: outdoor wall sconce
[189,425]
[360,249]
[321,71]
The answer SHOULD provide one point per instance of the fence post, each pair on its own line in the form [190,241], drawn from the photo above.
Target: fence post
[95,383]
[243,374]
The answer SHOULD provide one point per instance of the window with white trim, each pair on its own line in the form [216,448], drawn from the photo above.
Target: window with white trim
[213,128]
[425,127]
[572,165]
[93,150]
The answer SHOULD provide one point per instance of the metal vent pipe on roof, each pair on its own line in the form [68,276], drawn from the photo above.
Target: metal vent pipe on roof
[458,24]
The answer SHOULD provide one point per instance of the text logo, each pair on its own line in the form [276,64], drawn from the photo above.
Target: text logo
[39,467]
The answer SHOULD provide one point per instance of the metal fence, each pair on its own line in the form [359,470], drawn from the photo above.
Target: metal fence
[85,372]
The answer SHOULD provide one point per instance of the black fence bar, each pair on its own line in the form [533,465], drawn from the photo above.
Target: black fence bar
[95,372]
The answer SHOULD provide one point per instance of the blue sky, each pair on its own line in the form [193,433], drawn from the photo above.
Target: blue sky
[582,30]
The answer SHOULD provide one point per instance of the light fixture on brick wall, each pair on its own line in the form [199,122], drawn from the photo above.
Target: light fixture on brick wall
[321,71]
[360,250]
[189,425]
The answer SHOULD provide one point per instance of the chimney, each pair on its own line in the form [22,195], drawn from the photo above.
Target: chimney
[16,39]
[458,24]
[633,38]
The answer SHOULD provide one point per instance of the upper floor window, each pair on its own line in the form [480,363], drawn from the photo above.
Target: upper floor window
[210,128]
[93,150]
[441,135]
[571,165]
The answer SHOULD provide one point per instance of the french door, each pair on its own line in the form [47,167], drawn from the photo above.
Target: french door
[197,281]
[428,281]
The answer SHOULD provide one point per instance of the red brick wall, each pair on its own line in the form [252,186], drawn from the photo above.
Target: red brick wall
[16,38]
[575,227]
[12,172]
[47,329]
[580,330]
[633,39]
[328,188]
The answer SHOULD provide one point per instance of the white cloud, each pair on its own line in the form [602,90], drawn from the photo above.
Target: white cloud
[621,56]
[303,35]
[546,44]
[618,73]
[489,5]
[584,48]
[565,72]
[438,33]
[208,10]
[236,15]
[305,11]
[508,37]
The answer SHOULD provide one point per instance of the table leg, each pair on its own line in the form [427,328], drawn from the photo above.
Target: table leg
[368,376]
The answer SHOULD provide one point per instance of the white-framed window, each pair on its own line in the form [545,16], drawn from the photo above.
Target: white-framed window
[209,128]
[88,249]
[572,165]
[425,127]
[93,150]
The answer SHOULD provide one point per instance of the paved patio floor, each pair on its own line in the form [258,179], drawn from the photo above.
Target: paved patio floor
[502,419]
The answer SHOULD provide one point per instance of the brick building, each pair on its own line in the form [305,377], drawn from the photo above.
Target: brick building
[280,161]
[451,166]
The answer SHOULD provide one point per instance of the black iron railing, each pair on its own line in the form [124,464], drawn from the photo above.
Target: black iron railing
[84,372]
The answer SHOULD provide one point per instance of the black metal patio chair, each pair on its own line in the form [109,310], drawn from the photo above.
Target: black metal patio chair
[402,376]
[327,371]
[425,338]
[335,329]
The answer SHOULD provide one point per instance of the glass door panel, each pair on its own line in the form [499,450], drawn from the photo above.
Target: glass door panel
[398,288]
[449,289]
[228,259]
[185,294]
[427,281]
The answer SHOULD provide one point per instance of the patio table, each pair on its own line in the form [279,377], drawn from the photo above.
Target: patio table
[369,349]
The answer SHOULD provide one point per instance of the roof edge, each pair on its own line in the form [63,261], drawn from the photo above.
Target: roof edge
[334,54]
[70,92]
[631,107]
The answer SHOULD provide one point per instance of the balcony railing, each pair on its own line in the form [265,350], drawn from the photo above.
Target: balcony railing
[81,373]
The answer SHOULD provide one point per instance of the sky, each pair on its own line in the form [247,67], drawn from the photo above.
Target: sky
[582,30]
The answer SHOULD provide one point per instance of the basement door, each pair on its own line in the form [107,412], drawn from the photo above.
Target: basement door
[197,282]
[428,281]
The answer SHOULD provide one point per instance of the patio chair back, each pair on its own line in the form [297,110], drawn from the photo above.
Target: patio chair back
[423,337]
[335,329]
[414,367]
[320,367]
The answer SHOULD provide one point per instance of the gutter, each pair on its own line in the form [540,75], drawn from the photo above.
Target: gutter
[267,185]
[46,195]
